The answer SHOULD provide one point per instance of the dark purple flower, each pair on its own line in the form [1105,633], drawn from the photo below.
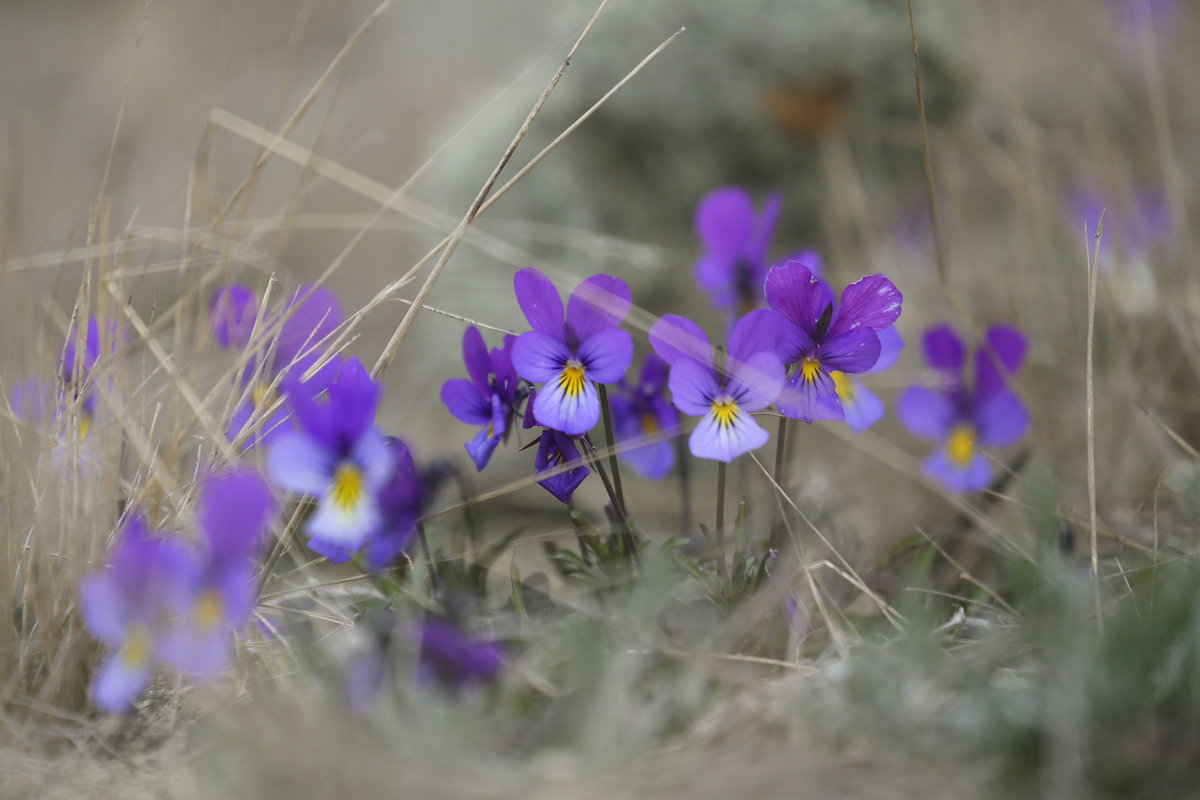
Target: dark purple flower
[557,453]
[723,399]
[961,417]
[822,337]
[489,397]
[312,315]
[127,608]
[455,660]
[571,354]
[335,453]
[736,239]
[642,411]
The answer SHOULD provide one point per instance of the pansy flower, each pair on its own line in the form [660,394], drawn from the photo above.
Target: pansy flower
[489,397]
[724,398]
[558,454]
[735,239]
[571,354]
[453,659]
[312,315]
[335,453]
[642,411]
[128,606]
[76,366]
[822,337]
[961,417]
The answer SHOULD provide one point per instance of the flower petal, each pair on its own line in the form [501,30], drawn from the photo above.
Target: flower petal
[944,350]
[463,400]
[861,406]
[539,357]
[716,276]
[891,345]
[926,412]
[759,241]
[313,314]
[756,383]
[725,442]
[539,302]
[976,475]
[762,330]
[597,304]
[481,448]
[607,355]
[693,386]
[653,378]
[345,525]
[810,400]
[104,609]
[299,464]
[117,684]
[477,359]
[353,398]
[574,414]
[725,221]
[235,508]
[1002,420]
[674,337]
[871,302]
[851,351]
[794,291]
[231,314]
[1006,344]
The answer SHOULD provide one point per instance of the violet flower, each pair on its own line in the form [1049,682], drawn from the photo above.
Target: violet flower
[336,454]
[454,659]
[571,354]
[298,347]
[960,417]
[642,411]
[126,607]
[736,239]
[556,450]
[723,399]
[489,397]
[75,369]
[822,337]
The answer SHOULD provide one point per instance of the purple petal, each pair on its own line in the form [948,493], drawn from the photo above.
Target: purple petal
[871,302]
[674,337]
[693,387]
[455,660]
[861,406]
[809,258]
[796,344]
[231,314]
[539,302]
[976,475]
[944,350]
[607,355]
[759,331]
[716,276]
[759,241]
[572,414]
[481,448]
[810,400]
[554,451]
[202,654]
[477,359]
[891,345]
[118,684]
[299,464]
[794,291]
[653,460]
[1002,420]
[1006,344]
[463,400]
[347,527]
[926,412]
[336,552]
[539,357]
[653,378]
[725,221]
[851,351]
[312,318]
[725,442]
[236,507]
[104,608]
[353,398]
[597,304]
[756,383]
[310,416]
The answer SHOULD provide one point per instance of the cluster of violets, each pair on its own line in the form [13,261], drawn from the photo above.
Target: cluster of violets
[793,345]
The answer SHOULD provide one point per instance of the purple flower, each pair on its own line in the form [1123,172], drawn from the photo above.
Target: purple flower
[489,398]
[555,451]
[75,369]
[960,417]
[311,320]
[736,240]
[822,337]
[126,607]
[454,659]
[336,454]
[723,399]
[571,354]
[861,406]
[642,411]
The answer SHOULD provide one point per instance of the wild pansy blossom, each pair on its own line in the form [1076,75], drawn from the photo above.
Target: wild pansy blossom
[75,370]
[822,337]
[736,240]
[336,454]
[313,314]
[571,354]
[489,397]
[724,398]
[642,411]
[557,453]
[454,659]
[960,417]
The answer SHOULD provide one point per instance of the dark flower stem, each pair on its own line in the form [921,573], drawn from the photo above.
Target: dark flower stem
[685,485]
[781,460]
[593,456]
[630,539]
[720,529]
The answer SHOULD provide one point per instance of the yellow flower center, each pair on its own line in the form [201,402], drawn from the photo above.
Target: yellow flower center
[960,447]
[649,423]
[810,368]
[572,378]
[844,386]
[135,652]
[208,611]
[348,486]
[725,410]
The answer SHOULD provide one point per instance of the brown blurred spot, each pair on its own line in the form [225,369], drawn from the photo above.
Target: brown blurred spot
[810,112]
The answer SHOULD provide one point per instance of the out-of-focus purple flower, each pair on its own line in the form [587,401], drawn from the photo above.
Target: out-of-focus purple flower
[822,337]
[1133,227]
[337,454]
[961,417]
[31,398]
[489,397]
[235,510]
[127,607]
[750,380]
[453,659]
[642,411]
[312,316]
[1137,14]
[557,452]
[571,354]
[736,240]
[76,368]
